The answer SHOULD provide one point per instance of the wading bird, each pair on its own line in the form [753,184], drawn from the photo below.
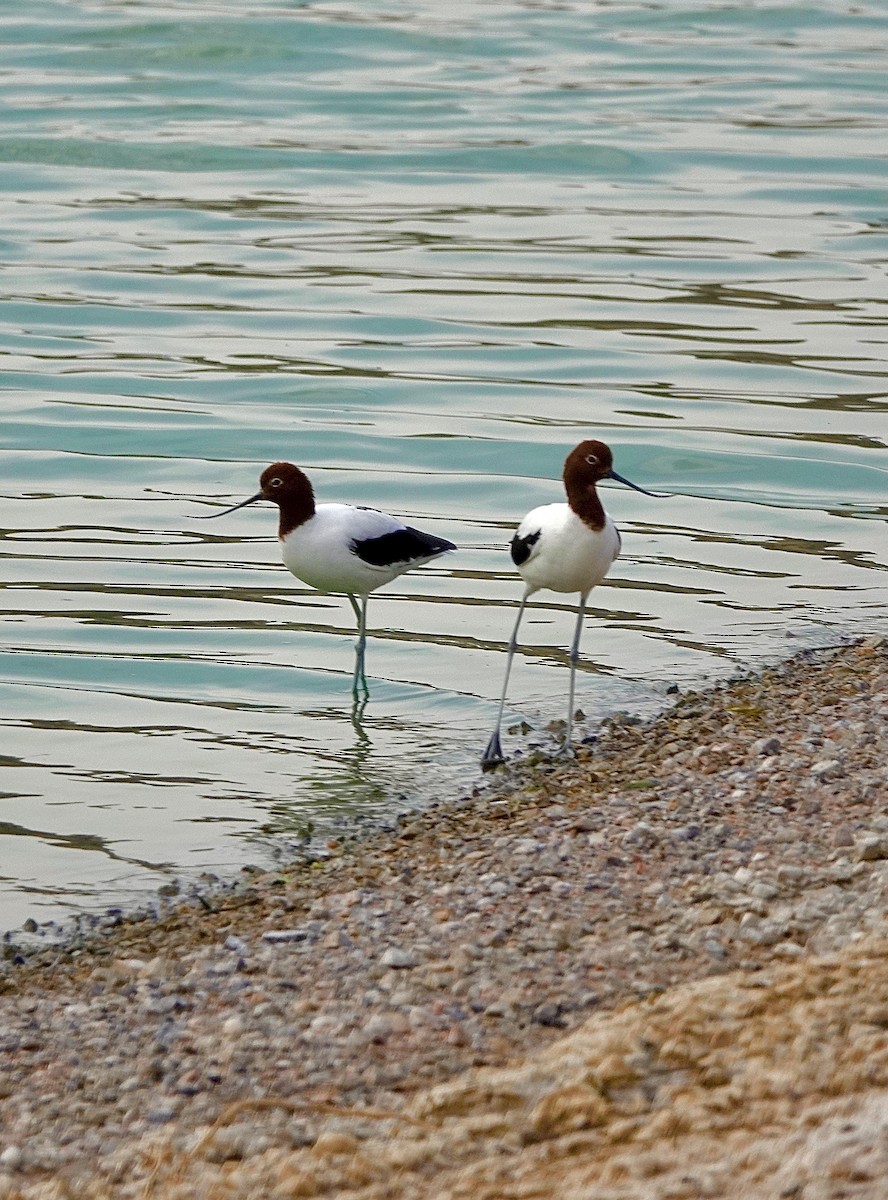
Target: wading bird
[341,547]
[565,548]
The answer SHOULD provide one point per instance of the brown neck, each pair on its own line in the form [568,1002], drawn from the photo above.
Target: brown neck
[579,483]
[297,505]
[588,507]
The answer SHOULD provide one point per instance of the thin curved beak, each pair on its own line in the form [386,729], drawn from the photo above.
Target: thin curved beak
[226,511]
[629,483]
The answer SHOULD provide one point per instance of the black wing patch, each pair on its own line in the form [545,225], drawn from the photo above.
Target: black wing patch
[400,546]
[521,547]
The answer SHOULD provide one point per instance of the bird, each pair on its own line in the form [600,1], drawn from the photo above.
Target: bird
[341,548]
[565,548]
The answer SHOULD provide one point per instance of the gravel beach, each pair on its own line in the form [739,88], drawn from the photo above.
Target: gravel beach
[657,971]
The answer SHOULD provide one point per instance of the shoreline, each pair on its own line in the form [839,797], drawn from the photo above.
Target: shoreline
[217,1048]
[34,941]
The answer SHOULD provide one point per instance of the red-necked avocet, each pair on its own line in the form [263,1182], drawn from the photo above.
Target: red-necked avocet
[341,547]
[565,548]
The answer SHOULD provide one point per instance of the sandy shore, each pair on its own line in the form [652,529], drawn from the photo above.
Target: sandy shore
[660,971]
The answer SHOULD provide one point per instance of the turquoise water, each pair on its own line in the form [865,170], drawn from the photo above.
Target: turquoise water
[420,251]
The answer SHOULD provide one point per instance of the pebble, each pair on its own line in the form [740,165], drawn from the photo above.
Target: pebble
[767,746]
[548,1014]
[278,936]
[12,1158]
[330,1143]
[398,958]
[871,847]
[826,768]
[162,1114]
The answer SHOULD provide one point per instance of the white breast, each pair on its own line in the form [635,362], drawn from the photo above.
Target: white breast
[567,556]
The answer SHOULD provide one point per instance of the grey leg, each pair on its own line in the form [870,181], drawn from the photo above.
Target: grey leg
[494,753]
[359,682]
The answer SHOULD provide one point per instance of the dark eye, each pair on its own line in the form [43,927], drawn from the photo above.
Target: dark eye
[276,482]
[591,460]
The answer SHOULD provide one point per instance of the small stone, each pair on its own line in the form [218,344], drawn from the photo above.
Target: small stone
[163,1114]
[789,950]
[760,933]
[584,823]
[789,874]
[378,1028]
[300,1134]
[331,1143]
[188,1084]
[767,746]
[125,968]
[276,936]
[688,833]
[398,958]
[499,1009]
[236,1143]
[223,968]
[827,768]
[844,871]
[642,835]
[12,1158]
[763,890]
[548,1014]
[871,847]
[295,1184]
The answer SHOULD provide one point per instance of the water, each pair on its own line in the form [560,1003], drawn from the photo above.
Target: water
[422,252]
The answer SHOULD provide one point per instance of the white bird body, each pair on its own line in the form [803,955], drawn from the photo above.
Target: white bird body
[565,554]
[324,551]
